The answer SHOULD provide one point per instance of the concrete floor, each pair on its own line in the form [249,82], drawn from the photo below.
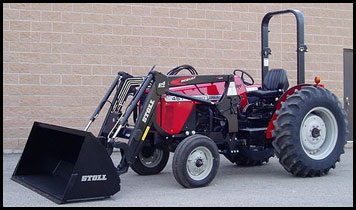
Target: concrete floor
[267,185]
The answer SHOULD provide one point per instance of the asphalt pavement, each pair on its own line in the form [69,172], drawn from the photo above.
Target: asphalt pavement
[266,185]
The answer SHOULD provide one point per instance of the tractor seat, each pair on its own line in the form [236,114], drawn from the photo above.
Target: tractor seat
[275,84]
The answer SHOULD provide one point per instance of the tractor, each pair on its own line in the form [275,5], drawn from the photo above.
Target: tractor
[196,117]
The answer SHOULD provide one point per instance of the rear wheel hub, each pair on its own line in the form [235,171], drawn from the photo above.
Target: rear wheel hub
[318,133]
[315,132]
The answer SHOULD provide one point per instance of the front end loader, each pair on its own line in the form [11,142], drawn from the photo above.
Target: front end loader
[198,117]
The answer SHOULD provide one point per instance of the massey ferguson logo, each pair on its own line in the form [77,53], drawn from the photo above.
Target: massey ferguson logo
[91,178]
[188,79]
[148,111]
[181,80]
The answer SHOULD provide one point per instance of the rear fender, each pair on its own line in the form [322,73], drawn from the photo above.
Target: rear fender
[283,98]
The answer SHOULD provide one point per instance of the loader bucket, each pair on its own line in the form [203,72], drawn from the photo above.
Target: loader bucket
[66,165]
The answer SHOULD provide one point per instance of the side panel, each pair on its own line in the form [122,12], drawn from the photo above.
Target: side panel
[171,116]
[173,112]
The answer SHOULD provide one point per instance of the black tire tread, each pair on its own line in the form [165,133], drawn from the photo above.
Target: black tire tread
[178,165]
[284,147]
[140,169]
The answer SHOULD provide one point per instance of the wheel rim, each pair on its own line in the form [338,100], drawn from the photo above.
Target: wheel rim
[152,160]
[199,163]
[318,133]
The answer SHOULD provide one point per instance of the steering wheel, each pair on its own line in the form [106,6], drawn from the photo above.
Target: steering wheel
[242,77]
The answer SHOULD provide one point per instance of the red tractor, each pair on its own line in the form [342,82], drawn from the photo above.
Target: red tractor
[198,117]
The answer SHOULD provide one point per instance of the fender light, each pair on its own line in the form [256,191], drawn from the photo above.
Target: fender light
[317,80]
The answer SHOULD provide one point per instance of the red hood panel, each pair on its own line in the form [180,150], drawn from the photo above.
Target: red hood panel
[172,115]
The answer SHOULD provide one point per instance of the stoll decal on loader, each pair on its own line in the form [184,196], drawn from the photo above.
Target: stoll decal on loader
[197,117]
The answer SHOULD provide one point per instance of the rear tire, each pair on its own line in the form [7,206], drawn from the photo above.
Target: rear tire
[151,160]
[310,132]
[196,161]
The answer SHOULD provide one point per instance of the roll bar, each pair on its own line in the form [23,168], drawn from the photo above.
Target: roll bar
[301,47]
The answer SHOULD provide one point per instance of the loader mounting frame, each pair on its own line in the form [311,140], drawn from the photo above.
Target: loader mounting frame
[158,85]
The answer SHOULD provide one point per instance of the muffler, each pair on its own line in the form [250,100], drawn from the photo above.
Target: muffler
[66,165]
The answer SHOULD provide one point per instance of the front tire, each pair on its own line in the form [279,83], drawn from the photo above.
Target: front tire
[196,161]
[310,132]
[151,160]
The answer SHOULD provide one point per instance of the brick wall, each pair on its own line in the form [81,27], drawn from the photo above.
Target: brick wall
[59,59]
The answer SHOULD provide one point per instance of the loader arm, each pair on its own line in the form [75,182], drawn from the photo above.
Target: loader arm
[143,121]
